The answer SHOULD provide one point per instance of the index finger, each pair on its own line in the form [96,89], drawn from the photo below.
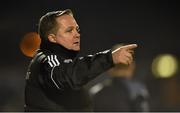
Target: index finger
[130,46]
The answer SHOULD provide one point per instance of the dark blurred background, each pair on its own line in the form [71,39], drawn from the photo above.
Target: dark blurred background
[153,25]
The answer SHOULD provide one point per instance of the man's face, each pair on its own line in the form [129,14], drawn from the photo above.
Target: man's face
[68,33]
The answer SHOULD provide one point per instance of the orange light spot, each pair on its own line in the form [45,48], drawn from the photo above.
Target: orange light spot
[30,43]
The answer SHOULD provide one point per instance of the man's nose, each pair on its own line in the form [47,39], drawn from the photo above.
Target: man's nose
[77,34]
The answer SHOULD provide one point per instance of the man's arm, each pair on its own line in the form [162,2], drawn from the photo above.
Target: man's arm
[66,73]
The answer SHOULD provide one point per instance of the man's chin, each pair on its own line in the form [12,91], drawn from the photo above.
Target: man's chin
[76,49]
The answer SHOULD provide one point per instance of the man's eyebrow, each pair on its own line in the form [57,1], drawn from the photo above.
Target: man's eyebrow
[69,27]
[77,27]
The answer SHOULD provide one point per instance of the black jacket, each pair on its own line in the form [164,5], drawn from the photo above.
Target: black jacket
[56,76]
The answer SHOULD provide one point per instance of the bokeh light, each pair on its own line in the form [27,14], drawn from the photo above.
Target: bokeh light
[30,43]
[164,66]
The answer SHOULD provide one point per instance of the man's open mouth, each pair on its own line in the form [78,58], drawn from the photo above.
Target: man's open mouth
[76,43]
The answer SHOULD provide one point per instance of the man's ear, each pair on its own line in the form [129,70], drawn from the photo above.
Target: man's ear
[52,38]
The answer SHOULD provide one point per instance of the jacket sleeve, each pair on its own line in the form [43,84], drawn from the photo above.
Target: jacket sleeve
[68,73]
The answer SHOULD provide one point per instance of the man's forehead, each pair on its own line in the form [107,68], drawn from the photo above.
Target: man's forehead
[67,20]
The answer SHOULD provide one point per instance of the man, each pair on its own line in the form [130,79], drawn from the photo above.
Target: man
[56,76]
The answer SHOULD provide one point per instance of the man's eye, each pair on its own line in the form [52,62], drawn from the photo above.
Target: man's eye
[69,30]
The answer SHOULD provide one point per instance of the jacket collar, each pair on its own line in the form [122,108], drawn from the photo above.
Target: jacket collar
[59,50]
